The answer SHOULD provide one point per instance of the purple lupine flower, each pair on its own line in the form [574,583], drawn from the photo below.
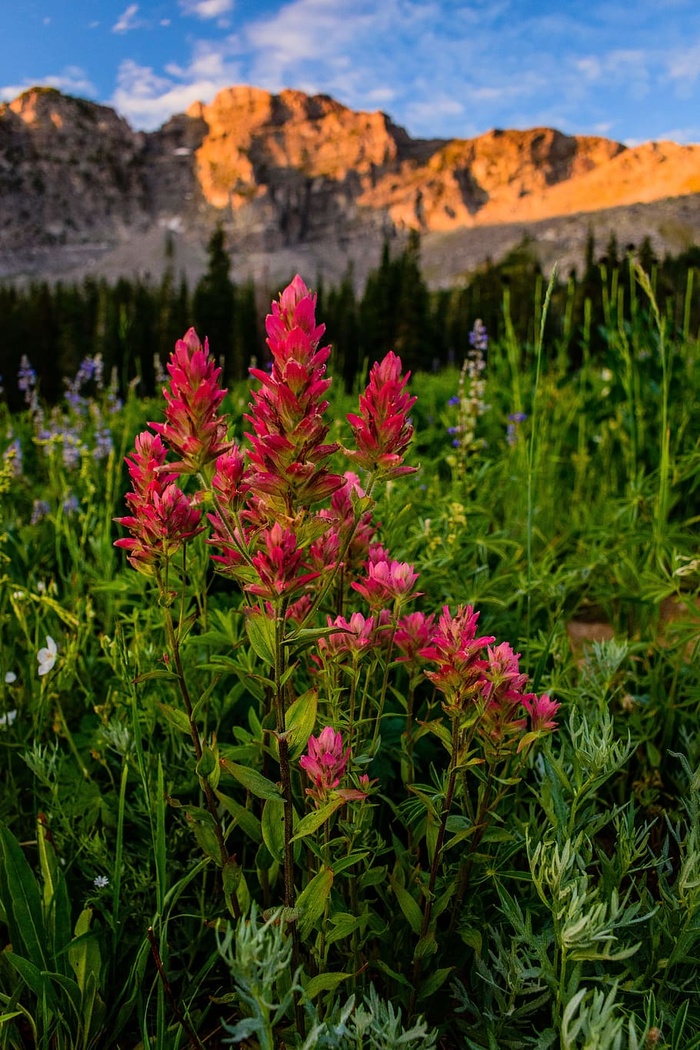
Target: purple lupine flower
[514,420]
[103,443]
[40,508]
[478,337]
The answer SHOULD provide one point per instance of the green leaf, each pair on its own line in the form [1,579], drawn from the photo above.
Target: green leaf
[56,909]
[312,899]
[312,821]
[272,825]
[176,718]
[243,817]
[324,982]
[435,981]
[300,721]
[408,905]
[34,978]
[261,635]
[344,924]
[426,946]
[21,901]
[251,780]
[347,862]
[372,877]
[440,730]
[208,767]
[84,952]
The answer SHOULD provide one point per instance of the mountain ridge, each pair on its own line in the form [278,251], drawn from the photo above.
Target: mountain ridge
[303,182]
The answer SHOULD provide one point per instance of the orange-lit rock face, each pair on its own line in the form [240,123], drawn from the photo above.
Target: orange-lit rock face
[292,169]
[254,137]
[259,145]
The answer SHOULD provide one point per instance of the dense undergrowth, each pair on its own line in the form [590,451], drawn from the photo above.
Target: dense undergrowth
[497,896]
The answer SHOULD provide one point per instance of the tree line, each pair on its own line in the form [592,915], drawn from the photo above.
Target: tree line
[134,323]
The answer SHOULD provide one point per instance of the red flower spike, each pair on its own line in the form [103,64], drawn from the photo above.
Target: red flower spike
[288,439]
[382,430]
[458,653]
[386,580]
[414,633]
[193,428]
[325,762]
[278,565]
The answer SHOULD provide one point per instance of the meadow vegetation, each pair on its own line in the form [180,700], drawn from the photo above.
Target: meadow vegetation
[401,757]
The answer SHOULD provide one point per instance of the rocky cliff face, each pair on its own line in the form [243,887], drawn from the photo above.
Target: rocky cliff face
[295,179]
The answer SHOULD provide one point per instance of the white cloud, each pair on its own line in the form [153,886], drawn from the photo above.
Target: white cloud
[147,99]
[72,81]
[127,20]
[206,8]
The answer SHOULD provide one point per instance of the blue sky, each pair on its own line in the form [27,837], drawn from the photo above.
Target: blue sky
[438,67]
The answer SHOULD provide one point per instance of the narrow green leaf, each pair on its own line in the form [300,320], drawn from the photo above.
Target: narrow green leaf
[324,982]
[56,910]
[308,824]
[21,901]
[243,817]
[435,981]
[176,718]
[408,905]
[312,899]
[84,951]
[35,979]
[347,862]
[251,780]
[300,721]
[272,825]
[261,635]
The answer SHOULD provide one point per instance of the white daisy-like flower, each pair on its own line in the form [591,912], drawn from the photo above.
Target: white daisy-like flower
[8,719]
[47,656]
[10,677]
[100,881]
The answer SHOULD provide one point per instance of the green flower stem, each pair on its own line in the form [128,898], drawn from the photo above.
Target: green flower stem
[286,779]
[430,891]
[210,797]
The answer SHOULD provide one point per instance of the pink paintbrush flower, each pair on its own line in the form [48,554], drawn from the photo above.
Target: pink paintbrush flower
[325,762]
[459,655]
[355,635]
[414,633]
[382,430]
[279,565]
[541,710]
[288,439]
[193,428]
[386,580]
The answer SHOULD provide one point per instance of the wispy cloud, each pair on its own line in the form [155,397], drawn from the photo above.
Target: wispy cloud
[147,99]
[443,68]
[72,80]
[127,20]
[206,8]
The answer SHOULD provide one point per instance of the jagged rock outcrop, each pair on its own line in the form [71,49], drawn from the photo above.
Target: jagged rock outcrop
[294,178]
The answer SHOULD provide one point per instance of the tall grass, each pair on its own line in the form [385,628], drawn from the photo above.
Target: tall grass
[578,926]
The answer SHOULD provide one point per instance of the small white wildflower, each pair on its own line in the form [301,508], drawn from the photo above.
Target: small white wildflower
[10,677]
[100,881]
[18,595]
[8,719]
[47,656]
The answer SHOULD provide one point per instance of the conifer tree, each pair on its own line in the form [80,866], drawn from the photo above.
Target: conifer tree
[213,305]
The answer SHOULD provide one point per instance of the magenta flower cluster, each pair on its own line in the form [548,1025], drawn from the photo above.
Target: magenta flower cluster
[268,531]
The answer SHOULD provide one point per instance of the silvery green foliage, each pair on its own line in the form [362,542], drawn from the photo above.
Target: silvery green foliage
[601,665]
[592,1021]
[371,1025]
[587,924]
[259,957]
